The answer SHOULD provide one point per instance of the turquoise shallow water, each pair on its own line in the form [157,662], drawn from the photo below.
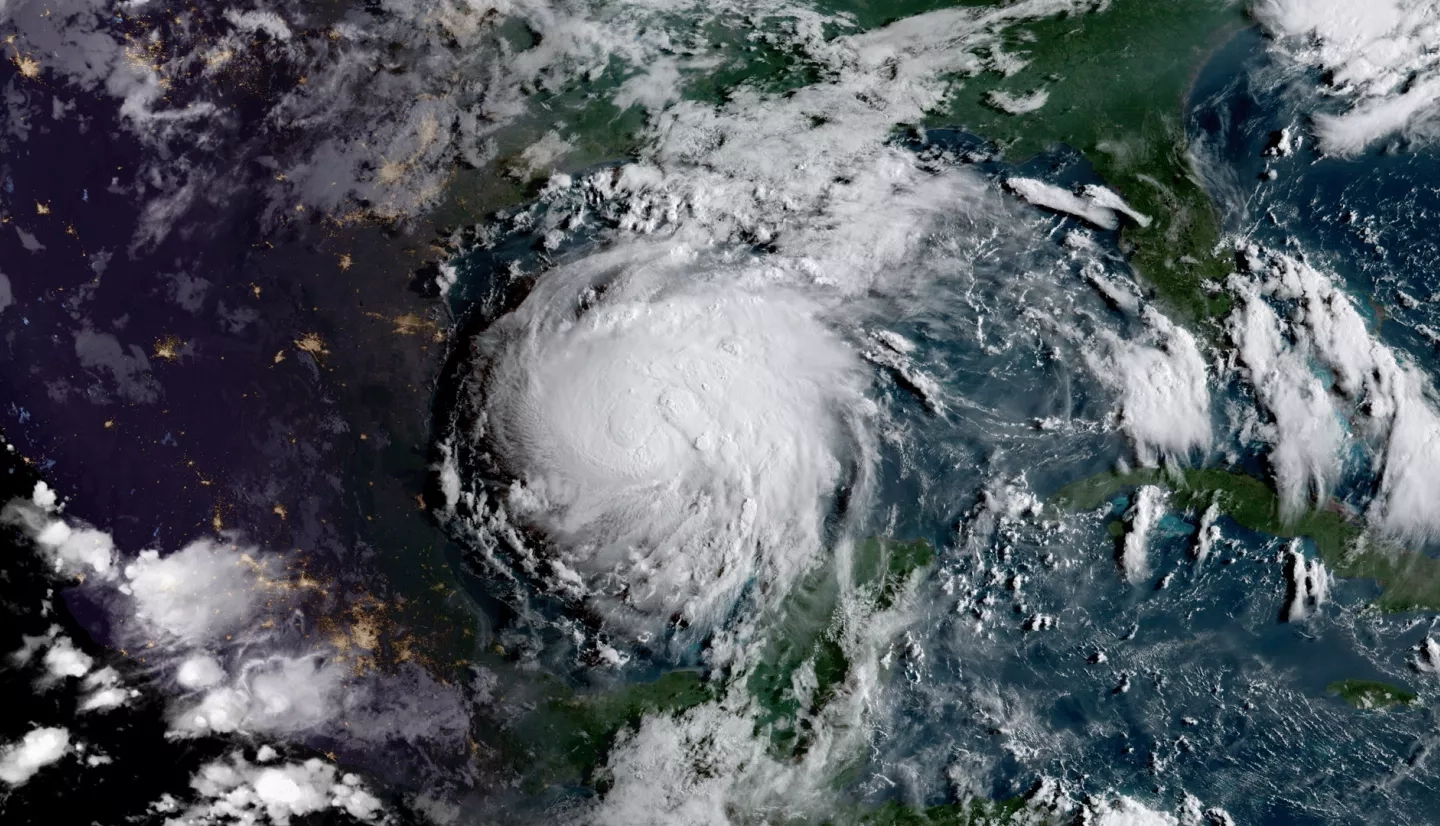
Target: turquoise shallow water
[1027,655]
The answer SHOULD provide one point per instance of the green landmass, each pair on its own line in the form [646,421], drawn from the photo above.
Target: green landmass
[975,812]
[1117,82]
[808,633]
[1116,79]
[568,737]
[1411,580]
[1371,694]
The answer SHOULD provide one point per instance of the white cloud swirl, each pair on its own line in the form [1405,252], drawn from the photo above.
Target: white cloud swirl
[675,438]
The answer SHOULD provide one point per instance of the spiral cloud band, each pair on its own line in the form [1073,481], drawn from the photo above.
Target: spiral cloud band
[672,438]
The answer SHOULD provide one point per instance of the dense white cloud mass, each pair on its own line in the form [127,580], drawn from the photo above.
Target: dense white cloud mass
[1148,508]
[708,374]
[1096,205]
[1126,811]
[42,746]
[1309,583]
[1410,485]
[273,695]
[199,671]
[1207,534]
[198,593]
[665,771]
[675,440]
[236,791]
[1427,656]
[1381,59]
[104,691]
[1307,433]
[43,497]
[75,551]
[1110,199]
[1391,401]
[1018,104]
[674,415]
[65,660]
[1163,384]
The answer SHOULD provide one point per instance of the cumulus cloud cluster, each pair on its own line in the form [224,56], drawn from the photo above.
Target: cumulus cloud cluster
[235,790]
[1390,402]
[62,661]
[39,748]
[223,631]
[1380,62]
[1163,384]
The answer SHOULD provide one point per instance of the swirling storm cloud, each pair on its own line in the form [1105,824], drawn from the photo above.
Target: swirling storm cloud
[674,438]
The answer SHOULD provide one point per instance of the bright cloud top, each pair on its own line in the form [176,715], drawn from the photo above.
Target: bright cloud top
[1391,401]
[675,424]
[42,746]
[1382,61]
[1163,386]
[1307,434]
[198,593]
[675,439]
[206,616]
[238,791]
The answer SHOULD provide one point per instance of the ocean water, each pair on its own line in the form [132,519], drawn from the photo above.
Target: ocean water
[1202,689]
[1025,654]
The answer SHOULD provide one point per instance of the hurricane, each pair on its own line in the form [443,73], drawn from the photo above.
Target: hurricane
[701,414]
[672,437]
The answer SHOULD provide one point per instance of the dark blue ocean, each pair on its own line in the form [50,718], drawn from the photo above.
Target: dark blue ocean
[1028,656]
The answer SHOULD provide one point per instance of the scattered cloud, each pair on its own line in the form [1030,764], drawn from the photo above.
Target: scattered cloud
[128,370]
